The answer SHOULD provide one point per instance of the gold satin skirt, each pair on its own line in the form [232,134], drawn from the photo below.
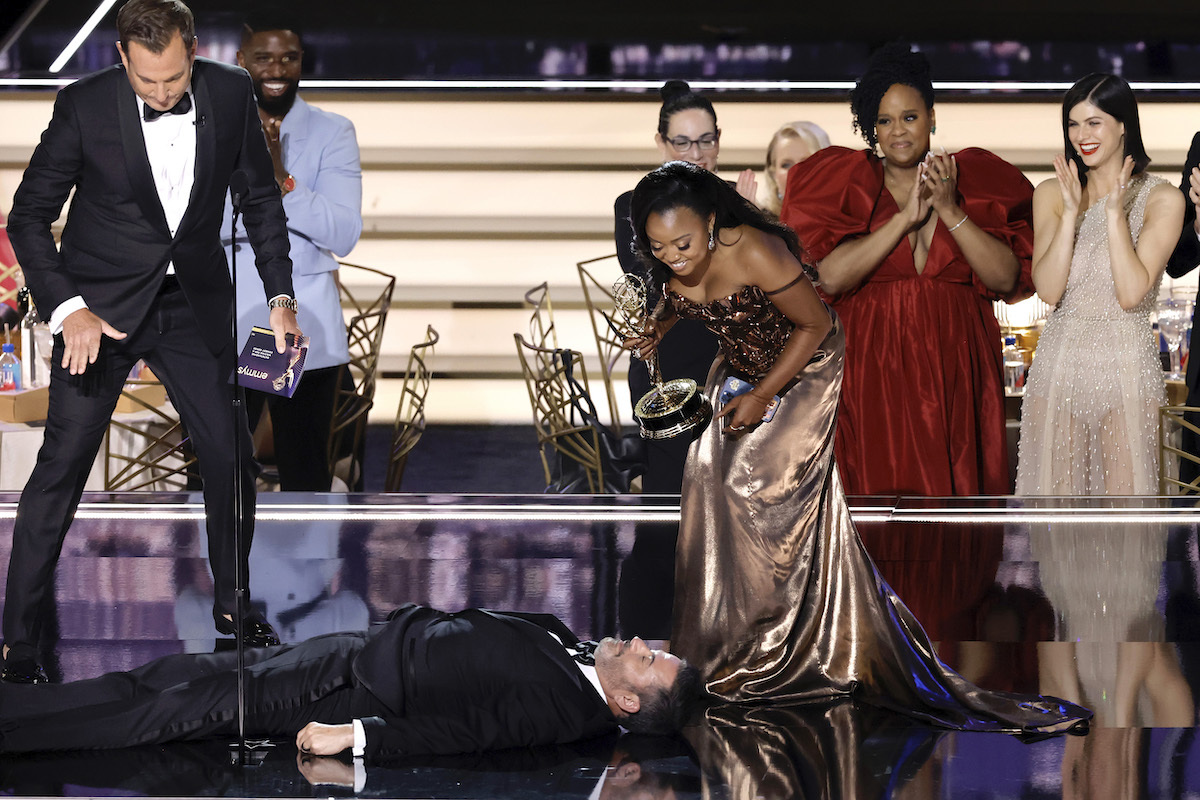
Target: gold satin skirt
[776,598]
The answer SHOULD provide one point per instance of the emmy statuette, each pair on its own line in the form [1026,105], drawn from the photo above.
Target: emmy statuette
[671,407]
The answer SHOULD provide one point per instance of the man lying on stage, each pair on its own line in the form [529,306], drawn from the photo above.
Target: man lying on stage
[426,682]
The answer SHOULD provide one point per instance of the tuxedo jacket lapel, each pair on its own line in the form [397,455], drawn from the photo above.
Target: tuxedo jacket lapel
[542,620]
[206,150]
[137,162]
[536,636]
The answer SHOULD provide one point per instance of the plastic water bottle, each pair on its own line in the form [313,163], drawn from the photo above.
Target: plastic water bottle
[10,369]
[1014,366]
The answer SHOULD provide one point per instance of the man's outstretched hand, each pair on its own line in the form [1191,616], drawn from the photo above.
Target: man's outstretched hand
[325,740]
[82,331]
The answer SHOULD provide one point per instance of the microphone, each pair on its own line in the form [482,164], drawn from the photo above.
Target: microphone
[239,186]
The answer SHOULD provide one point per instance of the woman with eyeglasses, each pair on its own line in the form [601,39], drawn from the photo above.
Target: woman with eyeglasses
[912,245]
[687,131]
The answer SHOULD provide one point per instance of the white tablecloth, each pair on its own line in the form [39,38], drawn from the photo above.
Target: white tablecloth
[20,442]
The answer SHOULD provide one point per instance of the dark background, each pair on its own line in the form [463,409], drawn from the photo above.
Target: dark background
[1020,39]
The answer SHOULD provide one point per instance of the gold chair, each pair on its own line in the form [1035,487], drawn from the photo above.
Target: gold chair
[150,453]
[1171,424]
[560,440]
[541,322]
[410,413]
[355,395]
[597,294]
[9,280]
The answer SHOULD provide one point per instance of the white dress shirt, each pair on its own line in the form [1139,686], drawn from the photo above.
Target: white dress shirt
[171,150]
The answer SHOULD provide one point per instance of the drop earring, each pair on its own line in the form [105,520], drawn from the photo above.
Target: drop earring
[712,242]
[933,130]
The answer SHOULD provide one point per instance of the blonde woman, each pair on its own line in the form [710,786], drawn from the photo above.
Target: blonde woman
[791,144]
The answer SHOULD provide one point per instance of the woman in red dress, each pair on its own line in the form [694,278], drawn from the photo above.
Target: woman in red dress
[911,247]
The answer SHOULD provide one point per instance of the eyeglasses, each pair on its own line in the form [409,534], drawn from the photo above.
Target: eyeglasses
[682,143]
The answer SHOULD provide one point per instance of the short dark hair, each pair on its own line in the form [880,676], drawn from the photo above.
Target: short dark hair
[1112,95]
[678,96]
[679,184]
[153,23]
[665,711]
[889,65]
[270,17]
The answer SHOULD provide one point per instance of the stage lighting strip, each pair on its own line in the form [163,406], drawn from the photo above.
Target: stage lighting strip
[544,512]
[404,512]
[654,85]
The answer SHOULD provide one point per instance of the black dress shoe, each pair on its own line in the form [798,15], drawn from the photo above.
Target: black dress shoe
[256,632]
[23,670]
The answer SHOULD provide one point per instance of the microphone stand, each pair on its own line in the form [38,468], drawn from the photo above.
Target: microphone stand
[247,754]
[238,188]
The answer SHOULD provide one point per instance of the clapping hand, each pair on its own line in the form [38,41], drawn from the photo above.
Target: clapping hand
[747,185]
[1116,198]
[941,180]
[920,200]
[1194,194]
[271,130]
[1067,173]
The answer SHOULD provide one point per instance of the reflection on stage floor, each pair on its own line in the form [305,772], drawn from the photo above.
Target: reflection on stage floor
[1097,602]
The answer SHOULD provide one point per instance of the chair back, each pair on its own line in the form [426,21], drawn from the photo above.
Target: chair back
[148,452]
[1172,421]
[541,321]
[8,281]
[597,276]
[560,439]
[366,296]
[410,412]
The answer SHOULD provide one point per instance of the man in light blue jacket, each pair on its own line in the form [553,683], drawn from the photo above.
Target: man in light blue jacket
[317,167]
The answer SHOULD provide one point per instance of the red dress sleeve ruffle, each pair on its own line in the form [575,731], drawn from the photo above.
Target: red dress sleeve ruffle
[999,199]
[830,197]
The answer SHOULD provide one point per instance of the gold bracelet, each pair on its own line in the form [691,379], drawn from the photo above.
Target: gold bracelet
[957,225]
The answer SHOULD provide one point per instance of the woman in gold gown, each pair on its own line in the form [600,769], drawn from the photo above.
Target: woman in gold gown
[776,598]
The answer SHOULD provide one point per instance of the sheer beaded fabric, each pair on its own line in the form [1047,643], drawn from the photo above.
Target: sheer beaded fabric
[1090,415]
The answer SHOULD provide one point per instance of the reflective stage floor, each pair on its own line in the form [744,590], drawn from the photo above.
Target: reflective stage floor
[1097,603]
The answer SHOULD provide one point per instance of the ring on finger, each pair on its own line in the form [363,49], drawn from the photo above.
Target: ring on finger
[945,178]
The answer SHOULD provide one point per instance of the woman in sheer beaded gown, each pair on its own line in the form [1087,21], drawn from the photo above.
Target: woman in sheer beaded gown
[776,598]
[1104,230]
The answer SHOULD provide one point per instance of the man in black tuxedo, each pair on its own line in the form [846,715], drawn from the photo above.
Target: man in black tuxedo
[1182,261]
[149,148]
[427,682]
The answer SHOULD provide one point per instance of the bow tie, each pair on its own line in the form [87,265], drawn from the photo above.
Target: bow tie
[584,652]
[182,107]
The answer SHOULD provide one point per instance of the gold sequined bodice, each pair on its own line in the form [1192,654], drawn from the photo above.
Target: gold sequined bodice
[751,329]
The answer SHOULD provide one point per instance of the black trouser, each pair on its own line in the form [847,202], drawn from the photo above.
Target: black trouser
[80,408]
[300,426]
[190,696]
